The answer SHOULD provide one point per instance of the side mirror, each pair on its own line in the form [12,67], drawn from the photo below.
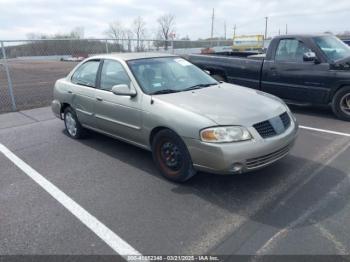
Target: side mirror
[310,57]
[124,90]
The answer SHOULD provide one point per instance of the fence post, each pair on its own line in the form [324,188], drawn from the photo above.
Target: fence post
[107,51]
[9,80]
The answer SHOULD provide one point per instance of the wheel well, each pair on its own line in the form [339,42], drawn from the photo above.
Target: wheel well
[337,90]
[63,107]
[154,132]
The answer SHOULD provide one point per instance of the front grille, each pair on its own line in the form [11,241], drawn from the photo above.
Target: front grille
[267,159]
[274,126]
[285,119]
[265,129]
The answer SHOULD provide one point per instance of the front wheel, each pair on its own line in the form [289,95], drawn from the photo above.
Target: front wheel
[171,156]
[341,104]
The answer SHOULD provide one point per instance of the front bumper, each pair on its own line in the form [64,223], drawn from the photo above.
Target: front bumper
[241,157]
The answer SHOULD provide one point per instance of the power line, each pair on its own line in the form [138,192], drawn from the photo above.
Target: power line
[225,28]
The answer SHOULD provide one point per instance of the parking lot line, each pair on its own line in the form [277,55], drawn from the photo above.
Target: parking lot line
[108,236]
[325,131]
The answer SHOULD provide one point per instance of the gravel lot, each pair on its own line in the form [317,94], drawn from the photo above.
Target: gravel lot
[33,82]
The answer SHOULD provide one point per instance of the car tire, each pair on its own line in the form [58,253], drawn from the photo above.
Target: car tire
[171,156]
[73,127]
[341,103]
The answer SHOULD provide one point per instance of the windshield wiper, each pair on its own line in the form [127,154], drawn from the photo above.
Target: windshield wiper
[199,86]
[165,91]
[169,91]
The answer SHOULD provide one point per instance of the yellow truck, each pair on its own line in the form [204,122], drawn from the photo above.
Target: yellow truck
[248,43]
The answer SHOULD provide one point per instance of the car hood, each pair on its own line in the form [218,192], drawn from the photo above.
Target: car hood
[227,104]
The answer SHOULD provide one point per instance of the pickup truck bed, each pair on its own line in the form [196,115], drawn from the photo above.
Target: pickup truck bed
[237,70]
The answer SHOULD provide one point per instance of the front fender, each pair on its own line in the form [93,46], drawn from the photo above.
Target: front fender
[337,86]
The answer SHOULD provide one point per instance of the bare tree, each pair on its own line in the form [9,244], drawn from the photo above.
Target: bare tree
[166,26]
[117,32]
[139,28]
[36,36]
[78,32]
[129,35]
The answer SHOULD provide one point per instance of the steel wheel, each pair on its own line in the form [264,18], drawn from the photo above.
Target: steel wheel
[171,156]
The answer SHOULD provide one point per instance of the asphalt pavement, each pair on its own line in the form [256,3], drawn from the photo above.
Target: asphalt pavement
[298,206]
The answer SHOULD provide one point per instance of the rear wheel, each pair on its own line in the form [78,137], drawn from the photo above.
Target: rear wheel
[171,156]
[72,124]
[341,103]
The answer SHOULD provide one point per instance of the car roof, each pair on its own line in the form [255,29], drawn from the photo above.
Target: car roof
[133,56]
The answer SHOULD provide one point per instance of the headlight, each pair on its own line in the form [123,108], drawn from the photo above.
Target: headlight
[225,134]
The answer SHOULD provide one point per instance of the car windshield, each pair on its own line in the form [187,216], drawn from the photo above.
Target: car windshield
[169,75]
[334,48]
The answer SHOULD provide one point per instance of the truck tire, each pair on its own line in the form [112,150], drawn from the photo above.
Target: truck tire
[341,103]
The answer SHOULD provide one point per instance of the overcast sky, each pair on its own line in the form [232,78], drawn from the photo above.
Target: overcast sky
[193,17]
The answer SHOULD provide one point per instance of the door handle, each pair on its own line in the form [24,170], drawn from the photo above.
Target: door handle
[99,99]
[273,68]
[70,92]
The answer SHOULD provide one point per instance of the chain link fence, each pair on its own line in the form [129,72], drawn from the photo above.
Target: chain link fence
[6,90]
[29,68]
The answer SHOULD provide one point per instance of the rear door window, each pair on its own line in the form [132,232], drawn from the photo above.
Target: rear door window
[86,74]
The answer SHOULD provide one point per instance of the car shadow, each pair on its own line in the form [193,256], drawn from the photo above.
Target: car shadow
[236,193]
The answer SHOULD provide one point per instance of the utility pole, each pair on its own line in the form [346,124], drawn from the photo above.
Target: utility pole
[286,29]
[212,24]
[225,28]
[266,19]
[234,31]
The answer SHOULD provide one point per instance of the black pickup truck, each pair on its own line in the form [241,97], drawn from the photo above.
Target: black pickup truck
[301,69]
